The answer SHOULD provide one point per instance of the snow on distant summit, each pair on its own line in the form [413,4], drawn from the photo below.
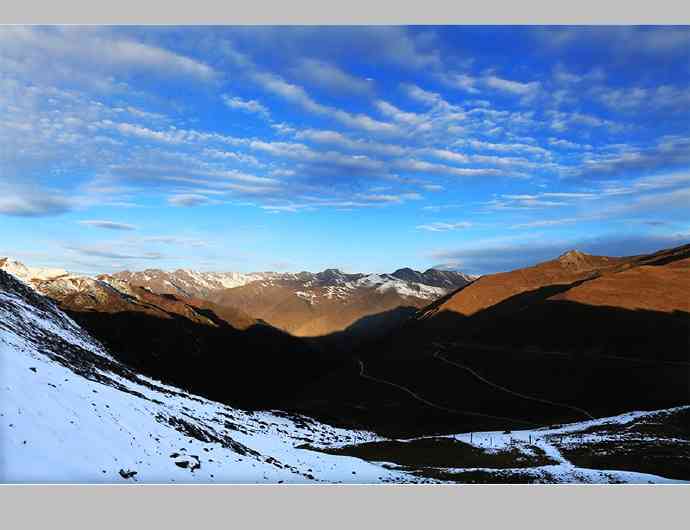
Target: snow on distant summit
[302,303]
[186,282]
[31,274]
[428,285]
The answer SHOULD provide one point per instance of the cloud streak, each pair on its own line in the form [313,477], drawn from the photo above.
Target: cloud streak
[36,204]
[444,227]
[189,200]
[108,225]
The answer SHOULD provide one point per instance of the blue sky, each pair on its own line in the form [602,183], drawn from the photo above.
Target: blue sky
[362,148]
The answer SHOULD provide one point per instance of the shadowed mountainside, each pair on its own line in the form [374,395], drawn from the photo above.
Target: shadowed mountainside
[256,367]
[577,336]
[368,328]
[215,351]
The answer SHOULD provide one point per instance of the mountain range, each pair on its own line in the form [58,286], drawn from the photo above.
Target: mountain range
[305,304]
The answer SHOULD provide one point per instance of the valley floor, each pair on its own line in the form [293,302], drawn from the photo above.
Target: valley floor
[637,447]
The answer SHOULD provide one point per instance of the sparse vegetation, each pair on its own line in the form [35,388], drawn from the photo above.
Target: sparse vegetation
[441,452]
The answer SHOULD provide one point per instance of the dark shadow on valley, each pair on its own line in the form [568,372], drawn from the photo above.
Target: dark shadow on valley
[605,360]
[341,344]
[258,367]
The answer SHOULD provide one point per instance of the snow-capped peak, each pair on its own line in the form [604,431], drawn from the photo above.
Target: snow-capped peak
[28,275]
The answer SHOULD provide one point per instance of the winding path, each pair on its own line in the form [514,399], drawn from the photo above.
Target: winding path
[437,355]
[434,405]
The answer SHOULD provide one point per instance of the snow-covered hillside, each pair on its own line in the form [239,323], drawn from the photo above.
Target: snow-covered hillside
[70,413]
[649,447]
[610,436]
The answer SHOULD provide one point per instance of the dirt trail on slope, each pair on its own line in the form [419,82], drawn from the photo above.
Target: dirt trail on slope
[437,355]
[434,405]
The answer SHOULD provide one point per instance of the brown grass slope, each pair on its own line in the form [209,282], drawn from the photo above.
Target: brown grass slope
[279,306]
[574,297]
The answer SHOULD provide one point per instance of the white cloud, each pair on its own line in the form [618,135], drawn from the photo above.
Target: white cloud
[521,202]
[33,206]
[390,198]
[189,199]
[567,144]
[345,142]
[330,77]
[545,223]
[423,96]
[297,94]
[506,147]
[382,45]
[247,105]
[668,152]
[60,53]
[463,82]
[451,156]
[421,166]
[110,252]
[109,225]
[444,227]
[562,121]
[513,87]
[620,42]
[471,84]
[663,97]
[408,118]
[176,240]
[291,208]
[242,158]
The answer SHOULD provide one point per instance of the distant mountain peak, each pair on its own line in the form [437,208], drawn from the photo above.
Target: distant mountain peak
[574,259]
[32,274]
[330,273]
[433,277]
[335,277]
[572,253]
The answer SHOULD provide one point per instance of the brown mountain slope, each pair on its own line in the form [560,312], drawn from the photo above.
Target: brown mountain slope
[490,290]
[316,313]
[654,287]
[561,297]
[573,337]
